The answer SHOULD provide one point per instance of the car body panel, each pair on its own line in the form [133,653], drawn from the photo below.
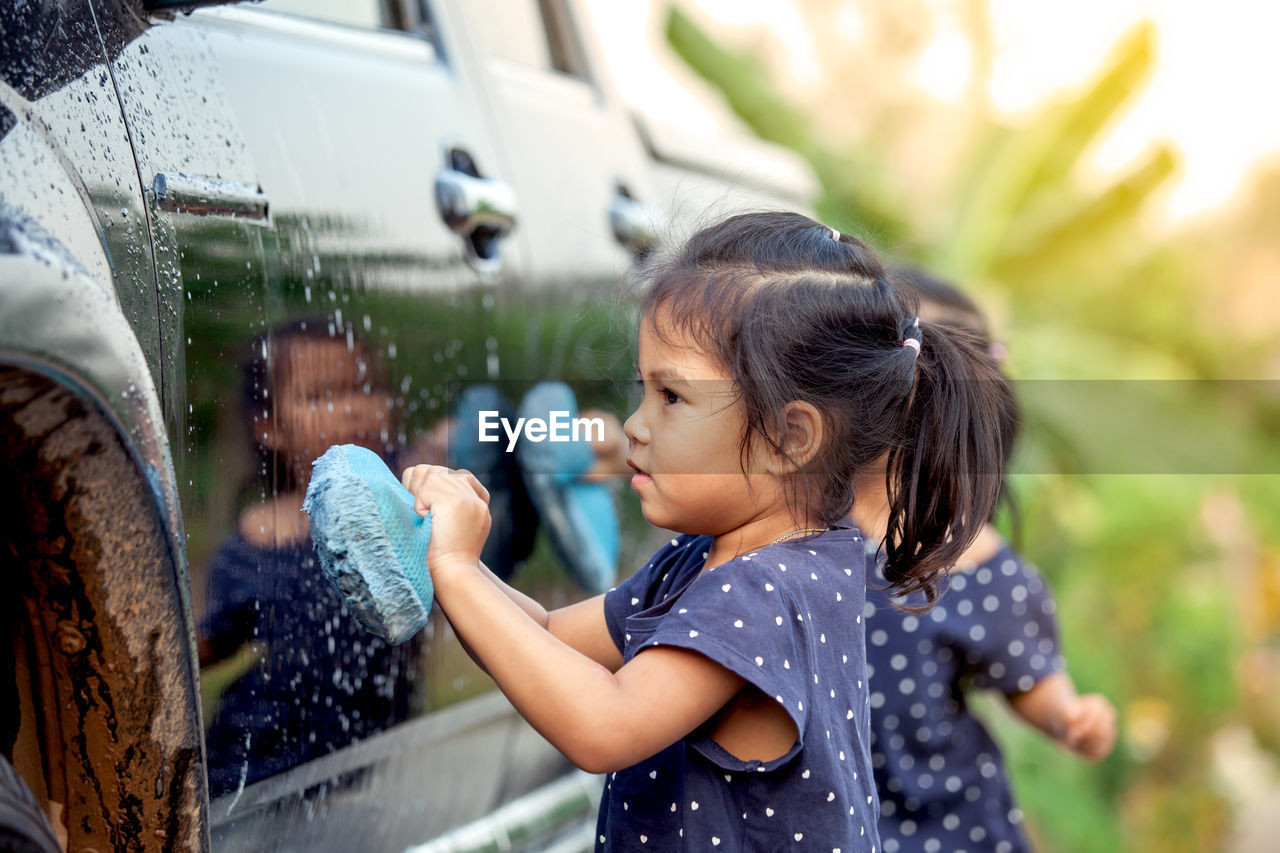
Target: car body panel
[66,158]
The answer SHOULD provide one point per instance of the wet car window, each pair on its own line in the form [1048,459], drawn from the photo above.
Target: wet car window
[274,378]
[312,294]
[299,677]
[279,366]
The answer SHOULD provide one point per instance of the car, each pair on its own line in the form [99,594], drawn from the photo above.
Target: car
[231,235]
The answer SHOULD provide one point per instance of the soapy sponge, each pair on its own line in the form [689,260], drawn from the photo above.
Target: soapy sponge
[371,542]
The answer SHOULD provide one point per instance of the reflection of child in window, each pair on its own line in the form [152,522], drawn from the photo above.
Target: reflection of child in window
[321,681]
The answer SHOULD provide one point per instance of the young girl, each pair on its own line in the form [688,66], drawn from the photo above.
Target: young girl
[941,781]
[723,687]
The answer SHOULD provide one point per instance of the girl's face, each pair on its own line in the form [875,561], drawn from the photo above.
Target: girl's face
[326,397]
[686,438]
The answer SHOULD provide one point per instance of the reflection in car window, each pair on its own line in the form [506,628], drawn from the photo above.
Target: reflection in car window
[356,13]
[305,678]
[535,33]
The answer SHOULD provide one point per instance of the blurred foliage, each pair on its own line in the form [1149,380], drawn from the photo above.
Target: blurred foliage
[1168,582]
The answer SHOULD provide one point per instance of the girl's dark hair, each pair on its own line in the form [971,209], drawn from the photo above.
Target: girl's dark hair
[793,314]
[954,308]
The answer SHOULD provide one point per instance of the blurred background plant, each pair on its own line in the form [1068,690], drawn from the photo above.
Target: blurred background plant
[1167,572]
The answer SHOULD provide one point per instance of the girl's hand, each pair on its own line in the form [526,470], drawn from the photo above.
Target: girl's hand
[1089,726]
[459,507]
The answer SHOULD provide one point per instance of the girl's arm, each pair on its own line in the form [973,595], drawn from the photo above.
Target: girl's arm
[1084,724]
[581,626]
[601,720]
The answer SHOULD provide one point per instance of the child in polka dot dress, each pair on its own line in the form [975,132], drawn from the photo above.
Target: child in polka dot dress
[722,688]
[941,779]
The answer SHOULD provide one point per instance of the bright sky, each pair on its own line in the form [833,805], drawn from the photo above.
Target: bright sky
[1211,91]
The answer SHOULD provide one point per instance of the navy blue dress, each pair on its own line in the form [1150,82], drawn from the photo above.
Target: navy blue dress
[323,683]
[940,775]
[788,619]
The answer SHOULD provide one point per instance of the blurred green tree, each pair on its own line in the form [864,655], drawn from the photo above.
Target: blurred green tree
[1150,582]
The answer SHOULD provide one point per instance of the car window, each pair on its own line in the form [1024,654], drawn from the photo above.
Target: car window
[535,33]
[315,294]
[319,298]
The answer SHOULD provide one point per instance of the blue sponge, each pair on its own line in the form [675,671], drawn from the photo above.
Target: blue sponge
[579,516]
[371,542]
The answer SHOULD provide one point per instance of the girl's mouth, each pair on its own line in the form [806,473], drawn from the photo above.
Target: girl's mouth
[640,478]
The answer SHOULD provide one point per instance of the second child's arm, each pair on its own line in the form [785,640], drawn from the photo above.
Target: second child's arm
[1085,724]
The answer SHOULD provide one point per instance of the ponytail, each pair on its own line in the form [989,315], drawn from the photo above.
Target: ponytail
[945,477]
[793,310]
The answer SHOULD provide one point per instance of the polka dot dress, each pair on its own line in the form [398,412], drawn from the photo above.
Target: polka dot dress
[788,619]
[941,778]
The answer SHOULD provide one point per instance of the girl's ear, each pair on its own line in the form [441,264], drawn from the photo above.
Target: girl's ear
[802,434]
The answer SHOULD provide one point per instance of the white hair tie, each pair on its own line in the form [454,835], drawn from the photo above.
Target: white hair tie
[914,343]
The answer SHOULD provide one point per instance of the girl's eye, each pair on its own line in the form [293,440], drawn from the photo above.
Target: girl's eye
[668,396]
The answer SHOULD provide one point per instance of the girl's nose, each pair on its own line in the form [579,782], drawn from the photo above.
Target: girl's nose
[635,430]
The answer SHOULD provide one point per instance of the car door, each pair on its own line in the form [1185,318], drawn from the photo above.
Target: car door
[329,221]
[578,165]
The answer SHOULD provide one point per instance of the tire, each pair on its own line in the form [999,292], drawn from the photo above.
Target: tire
[100,711]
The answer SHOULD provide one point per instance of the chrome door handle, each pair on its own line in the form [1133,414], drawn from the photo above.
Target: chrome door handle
[636,226]
[468,204]
[206,196]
